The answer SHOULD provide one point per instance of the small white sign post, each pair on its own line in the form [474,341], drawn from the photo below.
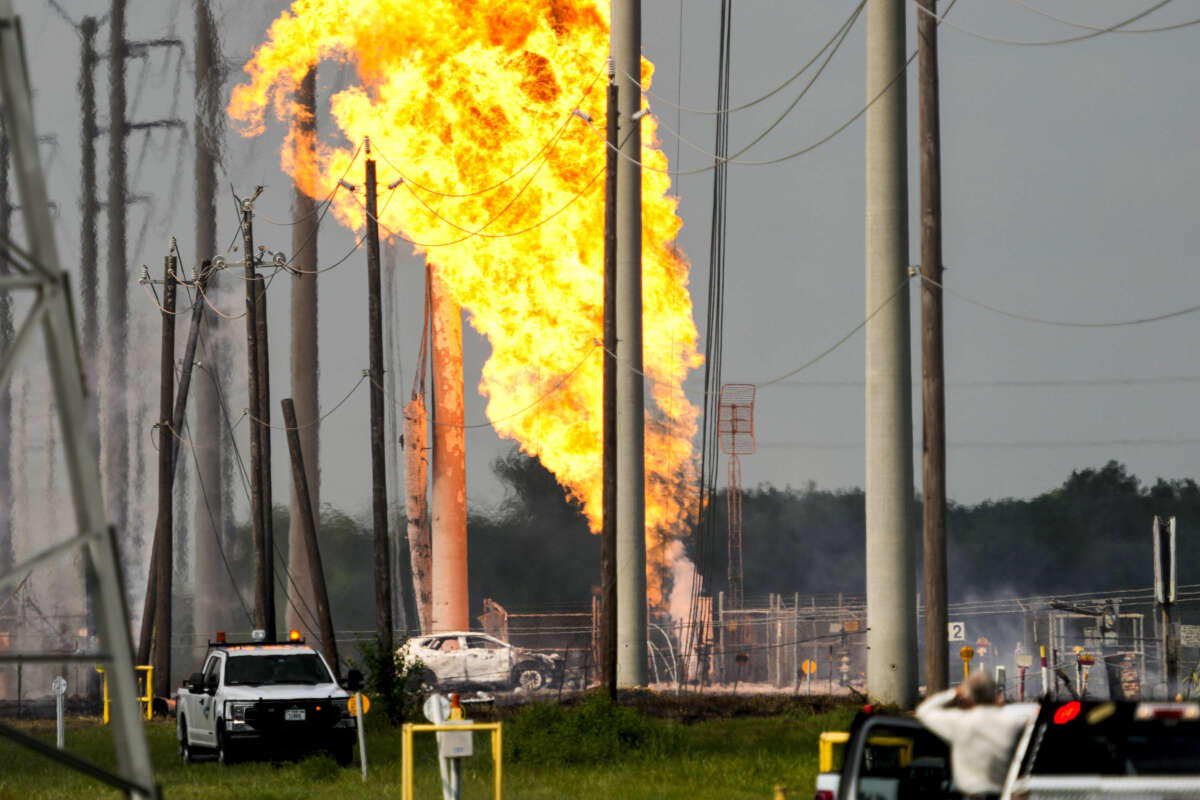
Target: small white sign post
[956,631]
[59,687]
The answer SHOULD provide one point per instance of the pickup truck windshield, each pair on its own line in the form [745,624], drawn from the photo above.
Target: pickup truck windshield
[1106,739]
[263,670]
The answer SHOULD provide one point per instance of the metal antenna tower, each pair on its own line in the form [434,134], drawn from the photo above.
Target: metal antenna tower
[38,271]
[735,432]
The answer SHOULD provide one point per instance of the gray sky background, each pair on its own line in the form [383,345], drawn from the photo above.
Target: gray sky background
[1069,190]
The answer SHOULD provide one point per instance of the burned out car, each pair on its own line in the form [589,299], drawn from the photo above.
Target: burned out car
[463,659]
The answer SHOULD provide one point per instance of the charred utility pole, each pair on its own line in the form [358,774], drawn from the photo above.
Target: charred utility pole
[608,541]
[162,559]
[116,416]
[260,452]
[933,392]
[383,559]
[304,364]
[309,535]
[89,208]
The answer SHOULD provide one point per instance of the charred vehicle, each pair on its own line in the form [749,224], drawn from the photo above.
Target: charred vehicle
[463,659]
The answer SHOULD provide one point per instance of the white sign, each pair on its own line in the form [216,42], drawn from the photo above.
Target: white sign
[957,631]
[1189,635]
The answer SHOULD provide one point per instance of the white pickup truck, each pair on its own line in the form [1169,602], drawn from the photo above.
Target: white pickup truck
[1067,750]
[258,697]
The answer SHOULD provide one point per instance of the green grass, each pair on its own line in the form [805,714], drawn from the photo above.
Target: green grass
[590,751]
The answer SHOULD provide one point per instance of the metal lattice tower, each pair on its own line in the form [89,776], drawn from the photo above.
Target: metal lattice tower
[735,432]
[37,270]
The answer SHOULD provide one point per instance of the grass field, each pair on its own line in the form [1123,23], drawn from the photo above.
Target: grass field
[593,751]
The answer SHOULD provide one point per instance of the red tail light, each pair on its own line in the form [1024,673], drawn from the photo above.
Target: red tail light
[1066,712]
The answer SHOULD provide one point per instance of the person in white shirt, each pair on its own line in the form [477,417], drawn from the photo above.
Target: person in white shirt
[980,733]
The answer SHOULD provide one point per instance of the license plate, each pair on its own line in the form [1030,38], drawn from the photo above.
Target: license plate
[294,714]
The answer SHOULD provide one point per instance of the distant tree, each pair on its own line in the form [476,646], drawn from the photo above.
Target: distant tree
[536,547]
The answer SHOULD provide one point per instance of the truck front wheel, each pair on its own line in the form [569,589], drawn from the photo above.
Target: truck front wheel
[227,751]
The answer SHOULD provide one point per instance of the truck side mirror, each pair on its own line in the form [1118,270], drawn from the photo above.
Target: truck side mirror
[354,680]
[210,684]
[195,683]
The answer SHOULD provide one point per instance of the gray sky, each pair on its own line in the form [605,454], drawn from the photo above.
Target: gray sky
[1068,187]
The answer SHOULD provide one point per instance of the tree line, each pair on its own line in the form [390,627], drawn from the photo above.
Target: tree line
[534,549]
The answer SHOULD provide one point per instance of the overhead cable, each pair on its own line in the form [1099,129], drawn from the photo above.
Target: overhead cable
[716,111]
[1058,322]
[1053,42]
[726,159]
[1082,26]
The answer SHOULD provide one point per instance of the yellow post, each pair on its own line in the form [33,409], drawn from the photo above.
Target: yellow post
[406,752]
[149,698]
[406,780]
[104,684]
[497,758]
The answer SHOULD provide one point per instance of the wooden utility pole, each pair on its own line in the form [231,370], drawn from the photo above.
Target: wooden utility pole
[116,414]
[308,533]
[164,524]
[383,560]
[933,393]
[264,447]
[7,332]
[264,603]
[304,363]
[608,541]
[163,561]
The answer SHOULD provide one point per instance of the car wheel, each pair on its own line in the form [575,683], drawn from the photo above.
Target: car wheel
[227,751]
[186,754]
[530,678]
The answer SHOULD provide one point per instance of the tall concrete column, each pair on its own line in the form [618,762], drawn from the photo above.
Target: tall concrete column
[891,545]
[451,610]
[215,594]
[631,401]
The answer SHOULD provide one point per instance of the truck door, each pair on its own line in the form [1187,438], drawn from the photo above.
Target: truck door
[894,758]
[202,710]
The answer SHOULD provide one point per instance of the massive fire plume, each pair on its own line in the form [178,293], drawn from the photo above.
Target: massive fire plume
[469,105]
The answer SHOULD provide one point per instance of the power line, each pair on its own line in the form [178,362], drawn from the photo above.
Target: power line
[1053,42]
[716,111]
[1082,26]
[843,33]
[1061,323]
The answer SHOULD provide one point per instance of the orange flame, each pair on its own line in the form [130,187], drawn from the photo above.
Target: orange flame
[456,97]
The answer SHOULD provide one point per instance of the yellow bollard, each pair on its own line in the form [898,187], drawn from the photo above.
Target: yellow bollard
[147,698]
[780,792]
